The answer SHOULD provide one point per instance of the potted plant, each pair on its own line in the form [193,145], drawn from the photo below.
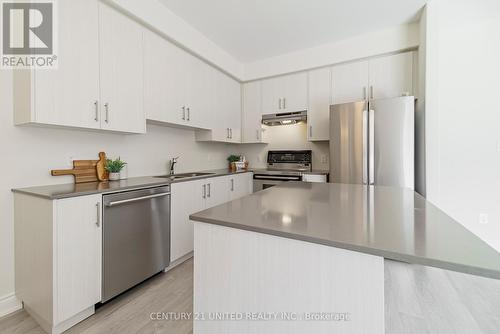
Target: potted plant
[114,167]
[232,159]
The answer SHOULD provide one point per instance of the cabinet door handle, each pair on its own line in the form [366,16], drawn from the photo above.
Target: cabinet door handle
[96,107]
[310,131]
[232,184]
[183,113]
[257,131]
[106,109]
[98,211]
[364,93]
[371,92]
[230,133]
[284,103]
[189,114]
[204,191]
[208,192]
[279,103]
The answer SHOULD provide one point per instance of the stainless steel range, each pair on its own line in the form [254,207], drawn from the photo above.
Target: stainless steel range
[282,166]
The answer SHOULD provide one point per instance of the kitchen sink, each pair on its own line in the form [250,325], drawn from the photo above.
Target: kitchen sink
[183,175]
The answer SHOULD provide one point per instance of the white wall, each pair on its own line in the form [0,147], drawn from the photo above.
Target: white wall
[375,43]
[462,112]
[29,153]
[285,137]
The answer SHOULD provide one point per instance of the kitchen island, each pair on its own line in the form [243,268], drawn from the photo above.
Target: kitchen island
[312,256]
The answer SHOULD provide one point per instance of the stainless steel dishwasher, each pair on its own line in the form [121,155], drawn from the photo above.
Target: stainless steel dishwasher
[136,238]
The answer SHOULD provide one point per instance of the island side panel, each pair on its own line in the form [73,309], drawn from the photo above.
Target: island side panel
[239,271]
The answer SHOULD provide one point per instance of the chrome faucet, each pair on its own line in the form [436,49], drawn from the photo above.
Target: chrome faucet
[172,164]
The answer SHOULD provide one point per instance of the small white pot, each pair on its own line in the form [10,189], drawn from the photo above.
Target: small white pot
[124,173]
[114,176]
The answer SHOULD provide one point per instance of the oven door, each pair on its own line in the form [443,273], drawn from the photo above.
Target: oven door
[264,181]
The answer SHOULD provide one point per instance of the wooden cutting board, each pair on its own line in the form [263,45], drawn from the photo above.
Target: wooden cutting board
[86,170]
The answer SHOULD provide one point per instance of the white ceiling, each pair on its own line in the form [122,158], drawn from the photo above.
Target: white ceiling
[252,30]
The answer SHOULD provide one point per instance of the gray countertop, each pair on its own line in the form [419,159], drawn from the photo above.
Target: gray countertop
[60,191]
[394,223]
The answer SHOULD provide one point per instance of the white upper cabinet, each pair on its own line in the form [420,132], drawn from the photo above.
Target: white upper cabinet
[69,95]
[349,82]
[284,94]
[175,84]
[252,128]
[295,98]
[318,113]
[121,79]
[164,86]
[391,76]
[225,116]
[98,82]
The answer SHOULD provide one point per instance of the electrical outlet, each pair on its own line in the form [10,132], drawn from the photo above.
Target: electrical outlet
[324,159]
[483,218]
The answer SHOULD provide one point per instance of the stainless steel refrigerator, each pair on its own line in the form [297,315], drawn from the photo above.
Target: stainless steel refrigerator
[372,142]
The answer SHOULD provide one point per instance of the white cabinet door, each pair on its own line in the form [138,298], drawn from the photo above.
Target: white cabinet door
[69,95]
[234,110]
[285,93]
[225,120]
[295,96]
[252,129]
[349,82]
[240,185]
[318,113]
[272,95]
[186,199]
[164,80]
[391,76]
[217,191]
[121,67]
[77,255]
[200,94]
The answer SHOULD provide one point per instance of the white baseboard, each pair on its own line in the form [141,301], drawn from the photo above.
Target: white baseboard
[9,304]
[179,261]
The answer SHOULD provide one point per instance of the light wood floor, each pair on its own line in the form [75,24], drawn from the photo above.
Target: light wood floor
[418,300]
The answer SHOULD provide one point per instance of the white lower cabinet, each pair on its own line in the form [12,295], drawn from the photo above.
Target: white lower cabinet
[192,196]
[186,199]
[240,185]
[58,258]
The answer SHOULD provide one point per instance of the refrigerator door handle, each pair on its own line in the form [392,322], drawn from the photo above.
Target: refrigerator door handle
[371,149]
[365,147]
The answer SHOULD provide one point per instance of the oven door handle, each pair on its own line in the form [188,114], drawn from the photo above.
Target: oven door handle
[277,178]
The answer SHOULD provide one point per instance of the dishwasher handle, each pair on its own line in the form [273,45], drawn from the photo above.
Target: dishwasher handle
[136,199]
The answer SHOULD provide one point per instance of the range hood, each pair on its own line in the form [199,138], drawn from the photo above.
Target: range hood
[284,118]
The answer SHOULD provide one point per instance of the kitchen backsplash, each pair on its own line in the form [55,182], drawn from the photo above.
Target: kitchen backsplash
[286,137]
